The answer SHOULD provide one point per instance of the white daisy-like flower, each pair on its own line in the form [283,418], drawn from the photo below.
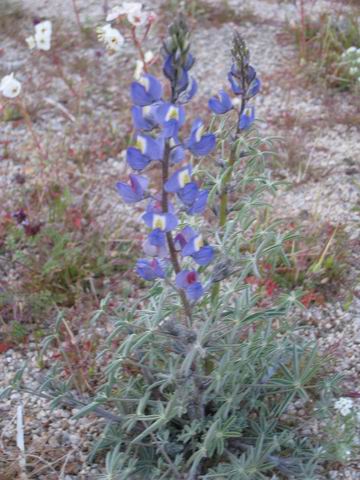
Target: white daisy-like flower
[9,86]
[111,37]
[133,11]
[42,38]
[344,406]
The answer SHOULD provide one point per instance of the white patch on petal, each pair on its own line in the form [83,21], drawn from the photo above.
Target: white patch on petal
[198,243]
[172,114]
[184,178]
[145,82]
[141,144]
[159,222]
[199,133]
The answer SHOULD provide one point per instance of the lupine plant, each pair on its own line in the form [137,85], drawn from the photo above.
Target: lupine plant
[204,367]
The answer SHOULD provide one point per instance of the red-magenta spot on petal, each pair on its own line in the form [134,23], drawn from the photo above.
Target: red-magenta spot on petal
[191,277]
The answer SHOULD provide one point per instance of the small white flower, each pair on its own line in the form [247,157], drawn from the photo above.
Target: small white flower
[111,37]
[43,31]
[137,18]
[132,10]
[344,406]
[351,50]
[149,55]
[139,69]
[42,38]
[114,13]
[31,42]
[9,86]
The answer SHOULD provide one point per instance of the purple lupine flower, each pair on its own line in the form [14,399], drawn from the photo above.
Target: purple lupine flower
[190,91]
[154,250]
[149,269]
[155,206]
[195,248]
[135,192]
[199,203]
[136,159]
[162,221]
[146,90]
[235,84]
[188,280]
[247,118]
[144,117]
[178,77]
[197,143]
[178,179]
[146,148]
[177,151]
[149,146]
[220,103]
[157,238]
[171,118]
[182,238]
[253,89]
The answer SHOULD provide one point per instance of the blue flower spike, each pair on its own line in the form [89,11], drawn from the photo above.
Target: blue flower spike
[188,281]
[135,192]
[198,143]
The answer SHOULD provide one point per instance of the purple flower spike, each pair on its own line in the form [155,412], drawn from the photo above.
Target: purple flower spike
[135,191]
[171,118]
[143,117]
[178,180]
[149,269]
[162,221]
[247,118]
[146,91]
[220,103]
[199,144]
[188,281]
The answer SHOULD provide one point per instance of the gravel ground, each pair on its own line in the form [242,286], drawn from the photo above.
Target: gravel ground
[331,149]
